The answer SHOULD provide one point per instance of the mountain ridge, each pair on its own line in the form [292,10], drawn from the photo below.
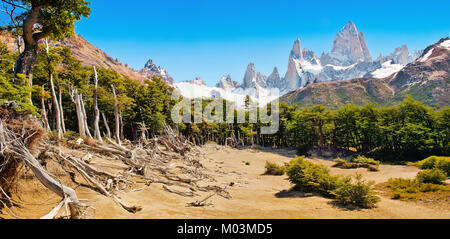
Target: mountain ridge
[426,79]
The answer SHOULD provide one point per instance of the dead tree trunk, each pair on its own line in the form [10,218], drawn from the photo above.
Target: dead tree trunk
[97,133]
[83,112]
[44,111]
[108,131]
[61,109]
[116,115]
[54,98]
[18,147]
[76,99]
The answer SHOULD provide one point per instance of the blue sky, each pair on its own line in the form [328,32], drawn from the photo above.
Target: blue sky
[212,38]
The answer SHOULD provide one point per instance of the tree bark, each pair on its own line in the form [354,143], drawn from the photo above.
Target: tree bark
[61,109]
[81,124]
[116,115]
[97,133]
[108,131]
[83,112]
[43,110]
[54,98]
[26,59]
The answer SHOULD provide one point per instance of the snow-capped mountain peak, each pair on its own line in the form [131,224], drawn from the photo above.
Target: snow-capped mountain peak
[151,70]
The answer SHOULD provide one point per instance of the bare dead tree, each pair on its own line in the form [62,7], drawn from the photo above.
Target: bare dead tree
[54,97]
[43,110]
[116,116]
[61,109]
[97,133]
[75,97]
[84,115]
[108,131]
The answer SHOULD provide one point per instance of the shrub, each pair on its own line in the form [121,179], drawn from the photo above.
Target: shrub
[373,168]
[442,163]
[273,169]
[427,163]
[71,135]
[370,164]
[412,188]
[364,160]
[311,177]
[339,162]
[356,191]
[434,176]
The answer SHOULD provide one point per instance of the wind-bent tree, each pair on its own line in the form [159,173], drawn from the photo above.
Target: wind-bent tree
[39,19]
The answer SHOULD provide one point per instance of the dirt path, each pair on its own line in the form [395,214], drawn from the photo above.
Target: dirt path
[254,195]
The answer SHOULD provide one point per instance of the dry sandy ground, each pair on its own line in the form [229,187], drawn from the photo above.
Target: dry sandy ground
[253,195]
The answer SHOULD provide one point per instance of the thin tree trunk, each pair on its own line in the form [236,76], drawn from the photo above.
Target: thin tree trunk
[97,133]
[108,131]
[81,124]
[61,109]
[116,115]
[54,98]
[83,112]
[121,126]
[43,110]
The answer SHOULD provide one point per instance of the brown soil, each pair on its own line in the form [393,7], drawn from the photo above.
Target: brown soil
[254,195]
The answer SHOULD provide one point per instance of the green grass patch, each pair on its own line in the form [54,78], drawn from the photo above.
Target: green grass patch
[413,189]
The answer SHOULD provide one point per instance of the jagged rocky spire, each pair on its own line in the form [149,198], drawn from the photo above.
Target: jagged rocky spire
[297,50]
[349,47]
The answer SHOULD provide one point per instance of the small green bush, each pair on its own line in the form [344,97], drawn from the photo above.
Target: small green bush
[364,160]
[434,176]
[427,163]
[442,163]
[274,169]
[311,177]
[356,191]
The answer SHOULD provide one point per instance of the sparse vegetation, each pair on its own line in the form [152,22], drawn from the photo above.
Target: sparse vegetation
[442,163]
[310,177]
[365,160]
[274,169]
[412,189]
[434,176]
[356,191]
[429,182]
[359,162]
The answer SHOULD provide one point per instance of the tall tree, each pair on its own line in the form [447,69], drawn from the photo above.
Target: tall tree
[41,19]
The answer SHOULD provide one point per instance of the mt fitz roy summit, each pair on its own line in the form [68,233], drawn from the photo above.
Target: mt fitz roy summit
[348,59]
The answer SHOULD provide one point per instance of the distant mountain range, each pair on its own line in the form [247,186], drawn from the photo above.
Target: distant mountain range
[349,59]
[426,79]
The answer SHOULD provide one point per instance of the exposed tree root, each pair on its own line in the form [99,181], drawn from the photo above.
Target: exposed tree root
[170,160]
